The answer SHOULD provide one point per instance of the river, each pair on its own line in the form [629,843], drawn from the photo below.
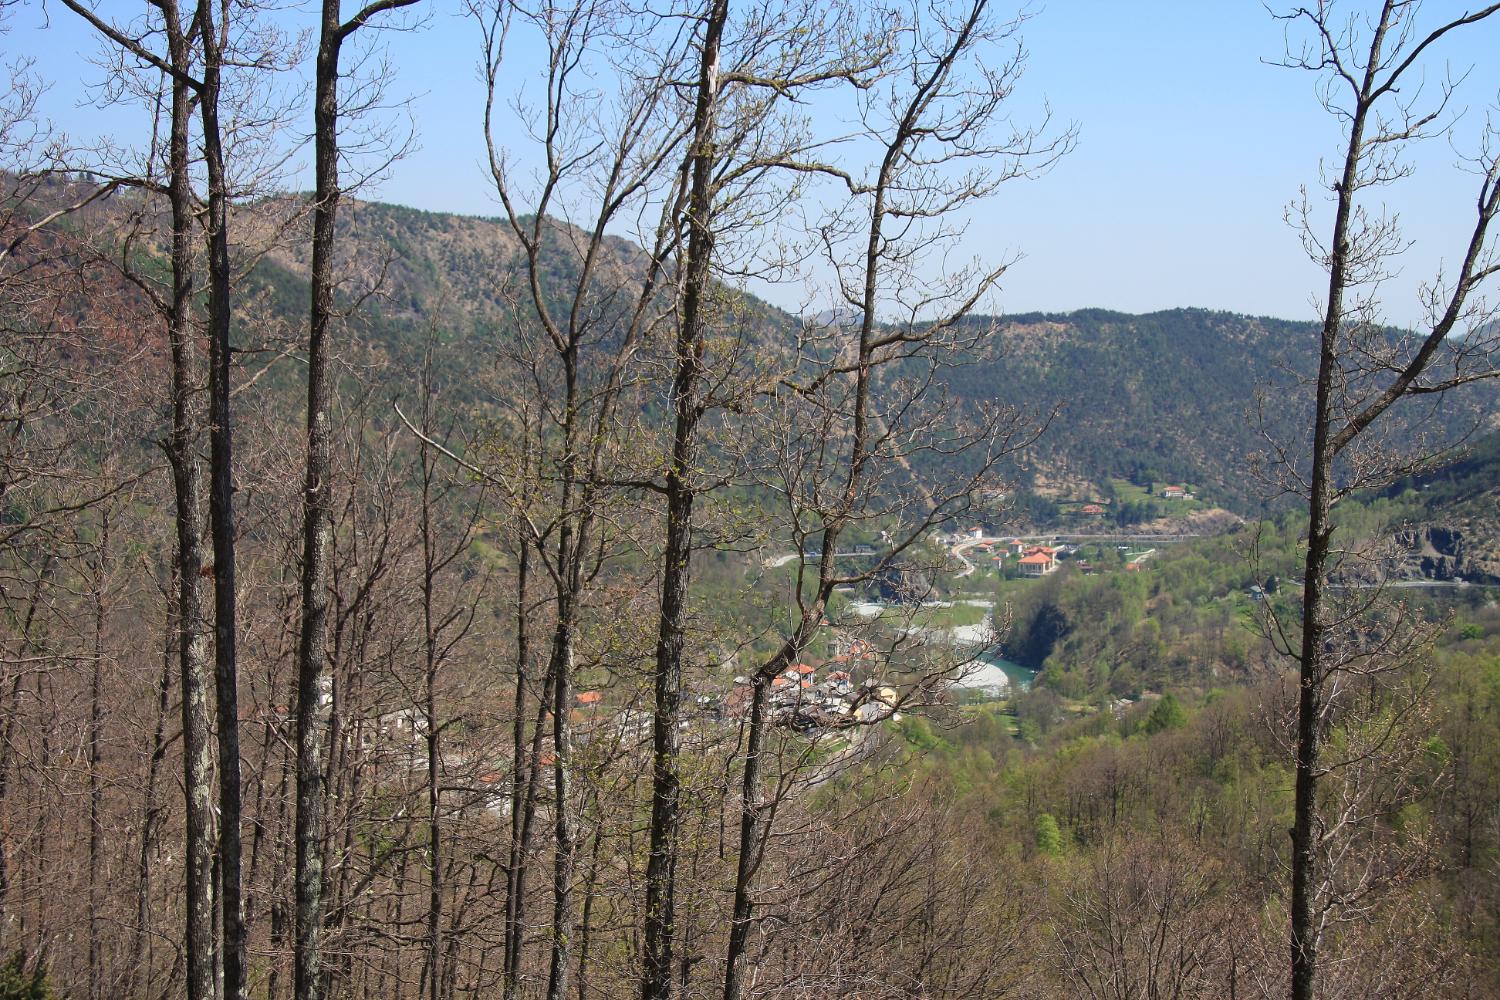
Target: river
[990,671]
[1020,677]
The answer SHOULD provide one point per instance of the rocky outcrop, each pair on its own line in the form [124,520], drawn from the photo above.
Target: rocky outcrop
[1466,547]
[904,583]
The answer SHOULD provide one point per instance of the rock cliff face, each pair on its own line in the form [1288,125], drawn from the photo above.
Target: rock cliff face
[904,583]
[1453,518]
[1462,543]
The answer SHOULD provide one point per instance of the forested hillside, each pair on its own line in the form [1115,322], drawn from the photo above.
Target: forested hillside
[1184,395]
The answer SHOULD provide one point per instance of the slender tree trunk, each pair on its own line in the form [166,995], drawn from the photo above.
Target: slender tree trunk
[11,714]
[140,966]
[96,745]
[522,778]
[1310,674]
[192,643]
[661,865]
[585,919]
[1304,939]
[435,850]
[739,927]
[434,749]
[516,936]
[317,526]
[565,836]
[570,554]
[221,509]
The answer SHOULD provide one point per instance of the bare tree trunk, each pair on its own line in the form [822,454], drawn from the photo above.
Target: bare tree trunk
[565,836]
[317,527]
[95,742]
[516,900]
[430,628]
[523,773]
[317,523]
[1304,938]
[739,927]
[585,920]
[661,866]
[139,962]
[1304,943]
[221,509]
[192,642]
[6,740]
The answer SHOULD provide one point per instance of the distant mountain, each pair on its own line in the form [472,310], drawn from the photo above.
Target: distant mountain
[1166,397]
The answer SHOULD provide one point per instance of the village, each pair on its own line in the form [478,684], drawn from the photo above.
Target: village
[840,694]
[1028,558]
[858,685]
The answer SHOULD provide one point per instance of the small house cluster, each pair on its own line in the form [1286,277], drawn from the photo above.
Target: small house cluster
[807,697]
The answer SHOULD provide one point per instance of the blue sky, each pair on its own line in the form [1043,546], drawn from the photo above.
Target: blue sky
[1190,147]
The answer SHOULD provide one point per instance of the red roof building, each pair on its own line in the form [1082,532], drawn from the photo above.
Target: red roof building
[1038,564]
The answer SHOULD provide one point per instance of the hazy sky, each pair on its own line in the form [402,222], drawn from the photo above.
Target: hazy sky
[1190,147]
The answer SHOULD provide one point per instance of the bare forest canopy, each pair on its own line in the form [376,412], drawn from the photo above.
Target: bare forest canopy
[398,605]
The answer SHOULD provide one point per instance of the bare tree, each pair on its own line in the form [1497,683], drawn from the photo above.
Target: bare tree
[742,149]
[192,639]
[687,406]
[181,448]
[605,157]
[853,408]
[199,49]
[1372,63]
[1145,919]
[221,502]
[317,528]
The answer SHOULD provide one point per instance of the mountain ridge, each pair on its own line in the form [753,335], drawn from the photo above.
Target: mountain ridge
[1185,395]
